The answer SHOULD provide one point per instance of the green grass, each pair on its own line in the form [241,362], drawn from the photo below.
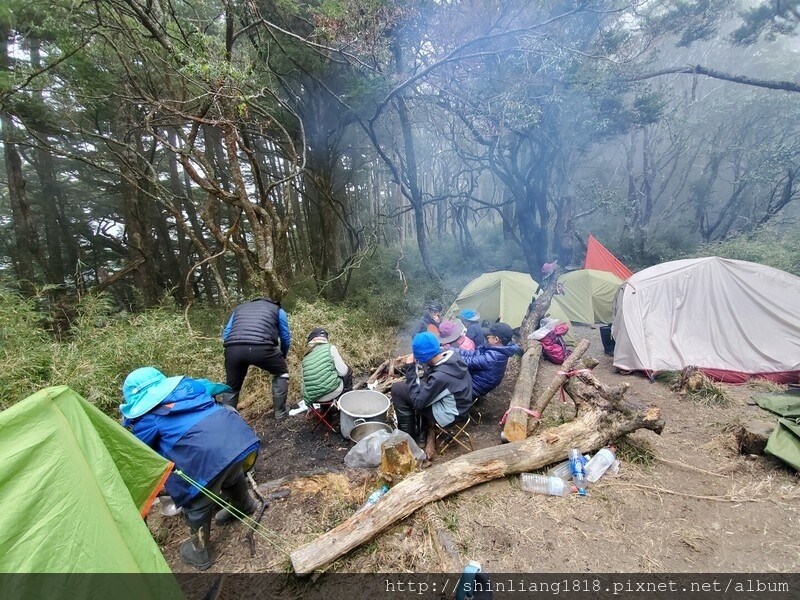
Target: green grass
[636,451]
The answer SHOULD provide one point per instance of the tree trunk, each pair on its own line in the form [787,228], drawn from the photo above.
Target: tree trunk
[603,416]
[516,426]
[544,398]
[24,233]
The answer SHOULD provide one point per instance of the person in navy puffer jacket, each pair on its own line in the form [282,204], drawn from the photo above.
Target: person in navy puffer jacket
[487,363]
[209,442]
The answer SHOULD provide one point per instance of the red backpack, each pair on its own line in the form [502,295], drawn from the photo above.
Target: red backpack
[553,346]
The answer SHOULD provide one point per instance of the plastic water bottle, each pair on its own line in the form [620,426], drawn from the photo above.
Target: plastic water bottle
[376,495]
[542,484]
[599,464]
[578,474]
[563,470]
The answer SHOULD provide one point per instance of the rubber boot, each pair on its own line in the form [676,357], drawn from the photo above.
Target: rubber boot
[421,436]
[228,399]
[280,390]
[240,499]
[407,423]
[194,551]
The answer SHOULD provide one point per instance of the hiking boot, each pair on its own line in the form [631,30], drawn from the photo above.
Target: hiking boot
[194,551]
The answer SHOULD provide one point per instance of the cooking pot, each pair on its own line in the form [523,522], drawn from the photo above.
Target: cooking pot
[364,428]
[367,405]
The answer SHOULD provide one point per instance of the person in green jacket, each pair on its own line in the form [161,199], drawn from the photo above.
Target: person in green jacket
[325,374]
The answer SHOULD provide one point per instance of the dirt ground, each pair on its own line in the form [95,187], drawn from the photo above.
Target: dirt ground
[683,501]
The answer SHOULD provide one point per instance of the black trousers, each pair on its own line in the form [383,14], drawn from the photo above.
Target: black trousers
[401,399]
[228,484]
[239,358]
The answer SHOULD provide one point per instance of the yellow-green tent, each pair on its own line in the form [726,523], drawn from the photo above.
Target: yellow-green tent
[503,294]
[74,485]
[588,295]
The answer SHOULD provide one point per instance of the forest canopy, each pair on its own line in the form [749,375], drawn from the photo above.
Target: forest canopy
[209,150]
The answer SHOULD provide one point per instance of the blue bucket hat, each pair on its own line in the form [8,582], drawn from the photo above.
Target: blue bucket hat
[144,389]
[425,346]
[470,315]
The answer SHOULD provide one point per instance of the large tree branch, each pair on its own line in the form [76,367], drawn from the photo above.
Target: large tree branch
[786,86]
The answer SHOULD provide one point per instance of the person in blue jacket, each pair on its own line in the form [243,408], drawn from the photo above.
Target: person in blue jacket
[209,442]
[487,363]
[257,333]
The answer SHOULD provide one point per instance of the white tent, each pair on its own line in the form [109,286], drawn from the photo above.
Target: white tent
[731,318]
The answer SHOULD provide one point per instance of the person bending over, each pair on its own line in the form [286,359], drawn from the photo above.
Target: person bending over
[178,418]
[257,333]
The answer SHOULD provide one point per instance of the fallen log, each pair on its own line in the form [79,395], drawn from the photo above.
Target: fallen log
[604,415]
[547,394]
[516,418]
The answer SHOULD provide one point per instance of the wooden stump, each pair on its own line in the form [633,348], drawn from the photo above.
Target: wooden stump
[752,437]
[397,461]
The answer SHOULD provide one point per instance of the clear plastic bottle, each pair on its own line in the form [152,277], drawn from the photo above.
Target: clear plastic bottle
[563,470]
[599,464]
[542,484]
[578,473]
[376,495]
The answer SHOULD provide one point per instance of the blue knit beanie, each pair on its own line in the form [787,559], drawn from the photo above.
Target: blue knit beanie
[425,346]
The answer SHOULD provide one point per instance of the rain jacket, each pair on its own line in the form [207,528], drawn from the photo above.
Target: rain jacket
[487,365]
[447,389]
[201,437]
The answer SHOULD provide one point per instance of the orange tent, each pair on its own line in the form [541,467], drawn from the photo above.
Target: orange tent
[600,259]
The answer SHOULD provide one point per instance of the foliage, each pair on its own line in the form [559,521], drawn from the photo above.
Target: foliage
[768,20]
[767,245]
[26,349]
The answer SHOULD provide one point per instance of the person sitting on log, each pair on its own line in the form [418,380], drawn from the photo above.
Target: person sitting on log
[452,335]
[325,374]
[472,321]
[430,319]
[443,395]
[487,363]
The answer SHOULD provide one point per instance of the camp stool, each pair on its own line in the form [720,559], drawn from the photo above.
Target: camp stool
[456,432]
[321,413]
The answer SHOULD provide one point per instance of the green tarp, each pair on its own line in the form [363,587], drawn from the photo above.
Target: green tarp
[784,442]
[73,487]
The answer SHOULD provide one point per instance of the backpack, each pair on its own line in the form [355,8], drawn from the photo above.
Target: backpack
[553,346]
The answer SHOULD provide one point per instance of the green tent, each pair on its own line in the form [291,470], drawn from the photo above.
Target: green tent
[74,486]
[588,295]
[784,442]
[503,294]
